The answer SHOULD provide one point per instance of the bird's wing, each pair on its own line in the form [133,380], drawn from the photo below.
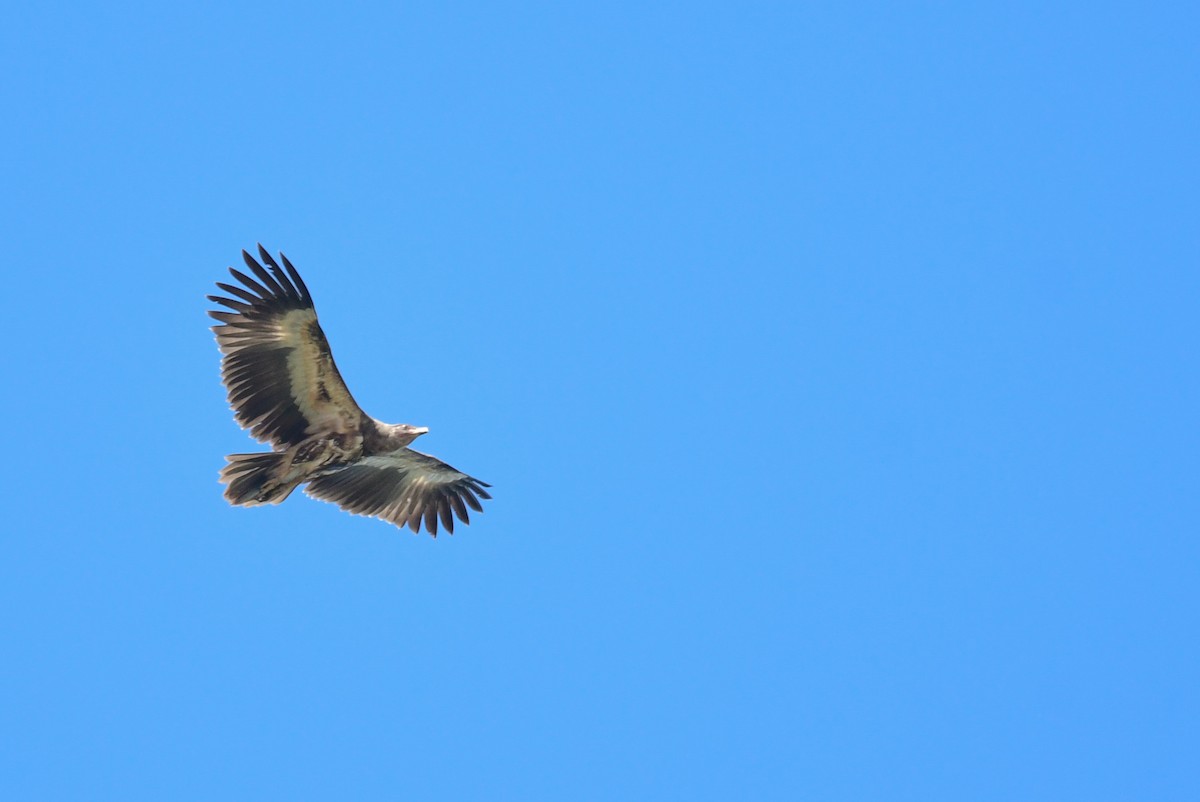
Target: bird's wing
[283,384]
[403,487]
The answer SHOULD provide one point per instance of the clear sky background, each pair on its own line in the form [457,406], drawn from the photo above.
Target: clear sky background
[835,367]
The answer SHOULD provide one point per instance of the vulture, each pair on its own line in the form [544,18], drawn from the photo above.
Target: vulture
[284,387]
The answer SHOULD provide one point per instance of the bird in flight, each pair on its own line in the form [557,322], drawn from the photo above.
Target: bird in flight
[284,387]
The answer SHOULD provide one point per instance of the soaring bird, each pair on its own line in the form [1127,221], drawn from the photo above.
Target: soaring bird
[285,388]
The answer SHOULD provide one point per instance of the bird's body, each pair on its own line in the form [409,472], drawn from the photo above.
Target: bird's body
[285,388]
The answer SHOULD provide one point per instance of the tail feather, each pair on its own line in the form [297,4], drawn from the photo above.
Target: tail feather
[253,479]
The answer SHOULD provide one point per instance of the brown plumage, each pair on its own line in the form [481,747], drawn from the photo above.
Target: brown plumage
[285,388]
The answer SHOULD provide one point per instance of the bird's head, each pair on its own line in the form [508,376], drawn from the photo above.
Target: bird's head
[404,433]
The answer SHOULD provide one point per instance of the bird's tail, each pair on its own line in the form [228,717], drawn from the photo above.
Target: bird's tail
[255,479]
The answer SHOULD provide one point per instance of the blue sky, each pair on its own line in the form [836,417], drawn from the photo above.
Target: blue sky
[835,367]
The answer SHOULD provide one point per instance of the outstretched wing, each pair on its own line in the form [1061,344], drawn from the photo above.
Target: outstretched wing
[403,487]
[282,382]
